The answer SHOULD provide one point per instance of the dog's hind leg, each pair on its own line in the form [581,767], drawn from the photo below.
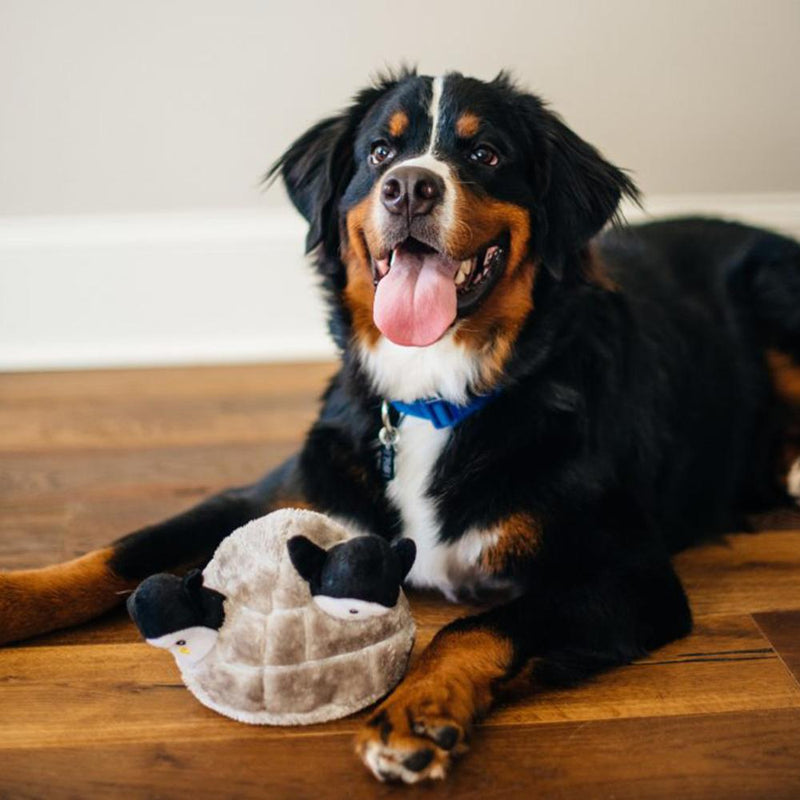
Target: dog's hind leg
[771,294]
[772,272]
[41,600]
[784,374]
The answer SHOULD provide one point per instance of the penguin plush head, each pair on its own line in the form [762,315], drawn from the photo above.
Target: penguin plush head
[356,579]
[178,614]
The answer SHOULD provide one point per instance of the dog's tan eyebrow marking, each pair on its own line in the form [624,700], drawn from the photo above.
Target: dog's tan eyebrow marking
[398,123]
[467,125]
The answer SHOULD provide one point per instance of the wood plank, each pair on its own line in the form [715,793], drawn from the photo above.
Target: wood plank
[129,409]
[128,691]
[743,573]
[725,665]
[58,507]
[739,756]
[43,427]
[782,629]
[92,475]
[86,457]
[108,385]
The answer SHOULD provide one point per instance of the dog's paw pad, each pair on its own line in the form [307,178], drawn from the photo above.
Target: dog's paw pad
[401,743]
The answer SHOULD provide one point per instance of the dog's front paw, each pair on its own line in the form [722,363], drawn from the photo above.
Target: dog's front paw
[413,735]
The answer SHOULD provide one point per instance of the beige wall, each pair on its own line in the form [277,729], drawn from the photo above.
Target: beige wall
[133,134]
[119,106]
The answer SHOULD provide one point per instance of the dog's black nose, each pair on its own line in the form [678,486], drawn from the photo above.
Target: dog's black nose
[411,190]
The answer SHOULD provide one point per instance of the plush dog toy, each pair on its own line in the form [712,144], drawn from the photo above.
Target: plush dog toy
[293,621]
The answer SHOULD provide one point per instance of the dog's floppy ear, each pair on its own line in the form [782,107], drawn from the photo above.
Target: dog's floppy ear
[318,166]
[315,170]
[580,190]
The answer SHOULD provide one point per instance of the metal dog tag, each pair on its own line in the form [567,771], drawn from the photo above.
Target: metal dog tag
[388,436]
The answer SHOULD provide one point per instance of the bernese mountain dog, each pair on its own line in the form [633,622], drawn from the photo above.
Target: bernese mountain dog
[549,405]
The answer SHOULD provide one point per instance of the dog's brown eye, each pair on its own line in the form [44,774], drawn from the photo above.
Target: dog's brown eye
[483,154]
[380,152]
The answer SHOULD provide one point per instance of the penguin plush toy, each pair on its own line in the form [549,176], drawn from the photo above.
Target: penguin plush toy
[293,621]
[178,614]
[358,578]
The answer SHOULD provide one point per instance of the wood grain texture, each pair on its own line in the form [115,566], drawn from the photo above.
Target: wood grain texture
[737,756]
[91,712]
[782,629]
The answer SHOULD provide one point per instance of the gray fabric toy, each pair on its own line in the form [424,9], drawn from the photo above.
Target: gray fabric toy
[293,621]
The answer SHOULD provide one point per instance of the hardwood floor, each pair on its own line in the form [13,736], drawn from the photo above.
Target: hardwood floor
[93,712]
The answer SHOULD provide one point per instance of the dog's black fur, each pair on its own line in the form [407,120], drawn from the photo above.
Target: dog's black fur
[635,415]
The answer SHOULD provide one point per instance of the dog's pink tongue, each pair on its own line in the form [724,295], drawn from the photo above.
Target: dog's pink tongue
[416,302]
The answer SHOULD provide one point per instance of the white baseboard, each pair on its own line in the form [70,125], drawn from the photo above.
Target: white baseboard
[190,288]
[202,287]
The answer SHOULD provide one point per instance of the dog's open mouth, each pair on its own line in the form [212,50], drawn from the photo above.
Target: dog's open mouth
[420,291]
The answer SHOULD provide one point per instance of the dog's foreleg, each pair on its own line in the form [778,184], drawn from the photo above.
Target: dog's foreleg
[558,634]
[417,731]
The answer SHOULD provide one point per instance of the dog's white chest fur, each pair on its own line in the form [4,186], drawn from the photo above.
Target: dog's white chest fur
[444,370]
[451,568]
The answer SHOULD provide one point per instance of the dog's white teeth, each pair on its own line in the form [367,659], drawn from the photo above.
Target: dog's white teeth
[391,257]
[464,271]
[490,254]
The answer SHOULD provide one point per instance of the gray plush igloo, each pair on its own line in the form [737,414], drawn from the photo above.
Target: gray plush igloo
[293,621]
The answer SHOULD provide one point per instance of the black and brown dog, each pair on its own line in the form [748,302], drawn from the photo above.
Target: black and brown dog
[563,409]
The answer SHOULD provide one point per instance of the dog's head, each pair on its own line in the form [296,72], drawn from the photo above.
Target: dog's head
[434,203]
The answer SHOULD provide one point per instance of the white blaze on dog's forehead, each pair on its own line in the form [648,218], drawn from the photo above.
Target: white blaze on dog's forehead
[349,608]
[428,159]
[435,111]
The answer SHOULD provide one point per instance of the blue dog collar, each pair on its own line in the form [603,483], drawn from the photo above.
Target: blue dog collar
[441,413]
